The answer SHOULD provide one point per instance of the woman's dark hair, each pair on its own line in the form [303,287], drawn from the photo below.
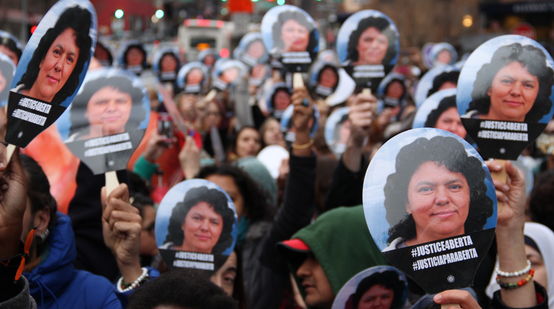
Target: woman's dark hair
[79,19]
[183,289]
[11,44]
[140,48]
[444,151]
[388,279]
[217,200]
[402,84]
[332,68]
[299,17]
[38,191]
[444,77]
[530,57]
[254,196]
[541,199]
[445,104]
[7,70]
[235,137]
[120,83]
[381,24]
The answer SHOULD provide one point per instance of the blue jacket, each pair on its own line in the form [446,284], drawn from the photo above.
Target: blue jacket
[55,283]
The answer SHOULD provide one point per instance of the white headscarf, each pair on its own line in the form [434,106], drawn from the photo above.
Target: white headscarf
[544,238]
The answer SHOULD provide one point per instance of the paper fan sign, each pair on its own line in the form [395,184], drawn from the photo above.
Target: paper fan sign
[7,69]
[226,73]
[375,287]
[192,77]
[438,78]
[430,206]
[107,120]
[443,54]
[196,226]
[324,79]
[13,47]
[337,130]
[133,57]
[271,157]
[439,111]
[286,123]
[505,95]
[166,64]
[368,47]
[278,99]
[251,50]
[290,35]
[51,70]
[208,57]
[393,90]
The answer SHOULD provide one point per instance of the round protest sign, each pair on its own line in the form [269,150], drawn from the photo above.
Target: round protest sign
[251,50]
[505,95]
[278,99]
[227,72]
[192,77]
[208,57]
[375,287]
[286,123]
[430,206]
[439,111]
[196,226]
[290,35]
[7,69]
[271,157]
[438,78]
[107,119]
[337,130]
[393,90]
[324,79]
[258,74]
[133,57]
[51,69]
[443,54]
[11,46]
[368,47]
[166,64]
[103,53]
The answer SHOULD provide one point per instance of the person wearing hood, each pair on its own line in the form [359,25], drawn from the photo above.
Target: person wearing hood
[322,261]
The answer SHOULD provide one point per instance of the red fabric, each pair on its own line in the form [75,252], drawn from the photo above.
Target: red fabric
[240,6]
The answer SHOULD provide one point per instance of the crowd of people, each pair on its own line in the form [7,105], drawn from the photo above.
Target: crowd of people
[293,170]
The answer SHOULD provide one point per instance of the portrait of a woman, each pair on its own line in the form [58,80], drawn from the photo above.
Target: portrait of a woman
[514,86]
[168,66]
[10,46]
[446,117]
[383,290]
[293,32]
[202,222]
[437,191]
[373,42]
[107,105]
[53,72]
[134,58]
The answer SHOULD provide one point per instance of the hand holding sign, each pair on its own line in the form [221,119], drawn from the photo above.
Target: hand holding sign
[52,68]
[437,232]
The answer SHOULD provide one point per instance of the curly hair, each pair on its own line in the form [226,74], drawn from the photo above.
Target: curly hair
[381,24]
[172,55]
[388,279]
[445,104]
[138,46]
[447,152]
[530,57]
[217,200]
[279,87]
[300,18]
[444,77]
[90,87]
[402,84]
[79,19]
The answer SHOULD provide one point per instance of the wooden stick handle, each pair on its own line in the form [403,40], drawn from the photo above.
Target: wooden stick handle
[211,95]
[111,181]
[10,149]
[366,91]
[501,177]
[297,81]
[450,306]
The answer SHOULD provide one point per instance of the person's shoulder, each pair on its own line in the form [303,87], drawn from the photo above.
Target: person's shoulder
[97,291]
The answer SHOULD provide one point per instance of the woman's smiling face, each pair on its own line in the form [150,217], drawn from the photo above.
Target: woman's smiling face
[438,200]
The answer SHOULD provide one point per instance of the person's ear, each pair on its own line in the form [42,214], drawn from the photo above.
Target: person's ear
[489,91]
[41,220]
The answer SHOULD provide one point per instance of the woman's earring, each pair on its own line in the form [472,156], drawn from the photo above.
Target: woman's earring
[44,235]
